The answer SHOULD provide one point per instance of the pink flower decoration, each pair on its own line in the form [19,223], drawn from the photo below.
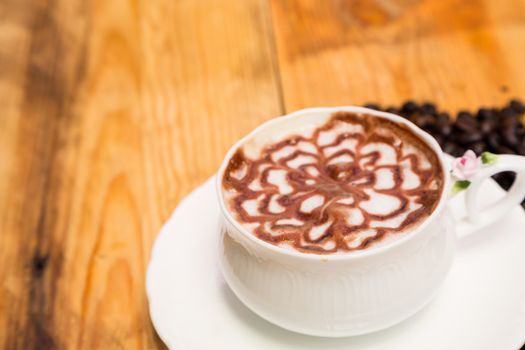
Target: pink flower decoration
[466,166]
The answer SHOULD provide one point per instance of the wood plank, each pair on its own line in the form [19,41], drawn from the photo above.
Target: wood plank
[460,54]
[115,110]
[37,84]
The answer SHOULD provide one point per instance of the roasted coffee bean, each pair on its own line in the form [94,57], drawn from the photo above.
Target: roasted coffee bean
[496,144]
[486,129]
[508,123]
[446,130]
[392,110]
[478,147]
[466,122]
[458,152]
[440,139]
[423,120]
[469,137]
[493,141]
[465,114]
[443,124]
[520,130]
[409,107]
[520,149]
[428,108]
[431,129]
[505,150]
[372,105]
[509,137]
[517,106]
[485,114]
[443,117]
[449,147]
[507,112]
[487,126]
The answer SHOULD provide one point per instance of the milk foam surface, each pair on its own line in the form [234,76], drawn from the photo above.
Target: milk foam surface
[348,183]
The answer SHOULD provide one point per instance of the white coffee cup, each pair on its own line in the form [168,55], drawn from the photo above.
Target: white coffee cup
[363,291]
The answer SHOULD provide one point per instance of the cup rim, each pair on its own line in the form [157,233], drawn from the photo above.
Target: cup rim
[426,137]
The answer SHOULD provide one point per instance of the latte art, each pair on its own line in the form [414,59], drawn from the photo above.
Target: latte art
[354,182]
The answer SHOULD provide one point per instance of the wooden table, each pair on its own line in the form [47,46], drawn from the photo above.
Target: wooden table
[112,111]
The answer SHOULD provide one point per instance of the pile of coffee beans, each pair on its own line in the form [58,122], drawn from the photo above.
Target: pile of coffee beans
[497,130]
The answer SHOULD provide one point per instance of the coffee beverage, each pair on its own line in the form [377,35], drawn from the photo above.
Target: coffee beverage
[347,206]
[349,182]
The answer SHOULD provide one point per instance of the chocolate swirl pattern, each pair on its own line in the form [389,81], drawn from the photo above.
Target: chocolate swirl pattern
[349,184]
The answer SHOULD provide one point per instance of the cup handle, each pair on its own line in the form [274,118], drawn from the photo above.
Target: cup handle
[476,218]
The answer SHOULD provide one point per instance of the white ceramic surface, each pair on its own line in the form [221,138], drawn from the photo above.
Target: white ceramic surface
[481,304]
[337,295]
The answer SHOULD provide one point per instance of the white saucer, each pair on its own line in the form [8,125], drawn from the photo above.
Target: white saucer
[480,306]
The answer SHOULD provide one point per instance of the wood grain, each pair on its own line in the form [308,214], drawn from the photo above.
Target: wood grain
[112,111]
[460,54]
